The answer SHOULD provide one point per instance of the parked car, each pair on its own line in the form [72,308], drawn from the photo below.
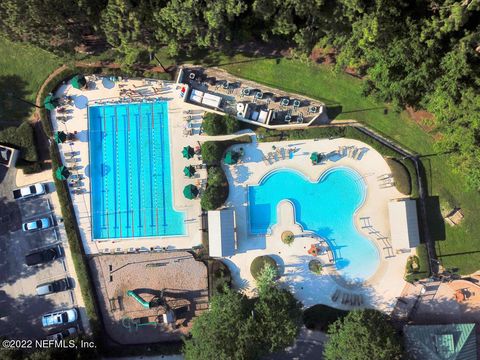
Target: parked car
[62,334]
[59,317]
[43,256]
[43,223]
[28,191]
[53,287]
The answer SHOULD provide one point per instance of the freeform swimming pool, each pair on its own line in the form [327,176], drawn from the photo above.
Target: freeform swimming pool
[326,207]
[130,178]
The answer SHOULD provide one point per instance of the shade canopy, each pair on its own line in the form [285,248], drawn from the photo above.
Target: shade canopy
[316,157]
[79,82]
[189,171]
[231,157]
[190,191]
[62,173]
[50,102]
[188,152]
[59,137]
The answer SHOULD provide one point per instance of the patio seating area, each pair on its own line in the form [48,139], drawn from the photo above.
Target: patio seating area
[248,101]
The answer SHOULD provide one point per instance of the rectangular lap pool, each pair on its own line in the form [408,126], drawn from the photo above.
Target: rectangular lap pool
[130,178]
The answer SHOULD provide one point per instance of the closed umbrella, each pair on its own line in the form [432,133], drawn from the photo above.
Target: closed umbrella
[59,137]
[190,191]
[189,171]
[79,82]
[62,173]
[188,152]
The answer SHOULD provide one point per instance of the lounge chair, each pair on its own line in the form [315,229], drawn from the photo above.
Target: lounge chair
[335,295]
[354,153]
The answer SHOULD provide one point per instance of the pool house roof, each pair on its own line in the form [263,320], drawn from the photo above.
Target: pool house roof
[221,232]
[441,342]
[403,223]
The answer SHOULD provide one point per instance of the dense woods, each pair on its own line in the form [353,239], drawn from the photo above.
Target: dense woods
[423,54]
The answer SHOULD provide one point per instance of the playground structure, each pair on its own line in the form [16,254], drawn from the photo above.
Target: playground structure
[150,297]
[165,315]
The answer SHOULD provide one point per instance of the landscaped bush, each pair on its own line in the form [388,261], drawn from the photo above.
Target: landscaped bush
[29,167]
[212,152]
[319,317]
[219,276]
[400,175]
[259,263]
[216,124]
[21,138]
[76,246]
[216,192]
[315,266]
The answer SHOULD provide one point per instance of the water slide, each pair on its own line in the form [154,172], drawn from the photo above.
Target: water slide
[142,302]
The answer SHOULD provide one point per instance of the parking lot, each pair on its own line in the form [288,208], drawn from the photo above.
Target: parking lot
[21,308]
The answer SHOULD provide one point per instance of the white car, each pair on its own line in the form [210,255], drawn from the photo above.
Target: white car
[59,317]
[62,334]
[39,224]
[28,191]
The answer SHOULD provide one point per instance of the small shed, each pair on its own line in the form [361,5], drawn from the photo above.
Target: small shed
[403,224]
[441,342]
[221,233]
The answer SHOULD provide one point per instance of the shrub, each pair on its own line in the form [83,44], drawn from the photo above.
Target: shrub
[219,276]
[232,124]
[29,167]
[320,317]
[21,138]
[288,237]
[400,175]
[259,263]
[213,197]
[315,266]
[212,152]
[216,124]
[216,192]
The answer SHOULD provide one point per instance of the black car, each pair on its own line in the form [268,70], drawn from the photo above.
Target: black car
[43,256]
[53,287]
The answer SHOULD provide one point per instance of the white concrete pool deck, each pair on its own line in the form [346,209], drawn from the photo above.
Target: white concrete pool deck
[381,290]
[102,90]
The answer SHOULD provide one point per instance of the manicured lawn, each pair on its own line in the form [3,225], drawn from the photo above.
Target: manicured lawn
[457,247]
[23,68]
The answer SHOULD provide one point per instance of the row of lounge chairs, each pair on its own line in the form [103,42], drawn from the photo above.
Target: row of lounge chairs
[277,154]
[347,298]
[352,152]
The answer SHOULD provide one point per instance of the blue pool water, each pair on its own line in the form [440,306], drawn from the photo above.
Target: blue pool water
[131,187]
[326,207]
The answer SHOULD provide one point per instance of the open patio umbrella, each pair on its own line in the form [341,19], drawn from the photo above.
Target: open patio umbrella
[189,171]
[188,152]
[50,103]
[79,82]
[190,191]
[315,157]
[59,137]
[231,158]
[62,173]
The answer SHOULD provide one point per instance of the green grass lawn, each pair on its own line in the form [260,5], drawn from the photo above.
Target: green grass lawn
[23,68]
[458,247]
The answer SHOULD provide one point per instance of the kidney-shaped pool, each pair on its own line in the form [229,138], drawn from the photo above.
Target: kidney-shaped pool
[326,207]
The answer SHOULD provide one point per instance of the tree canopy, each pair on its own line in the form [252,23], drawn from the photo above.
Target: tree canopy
[420,54]
[363,334]
[239,328]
